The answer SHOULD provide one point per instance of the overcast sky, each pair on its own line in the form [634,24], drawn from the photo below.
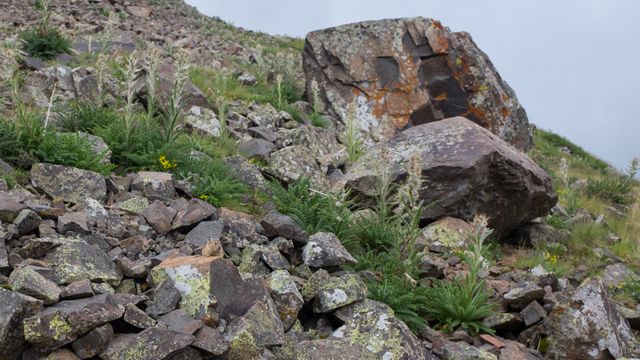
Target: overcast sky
[574,64]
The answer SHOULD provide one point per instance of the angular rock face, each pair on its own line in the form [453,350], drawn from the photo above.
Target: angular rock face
[15,308]
[588,327]
[466,171]
[405,72]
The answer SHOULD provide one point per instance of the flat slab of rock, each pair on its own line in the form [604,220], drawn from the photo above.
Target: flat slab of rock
[407,72]
[68,183]
[77,260]
[470,171]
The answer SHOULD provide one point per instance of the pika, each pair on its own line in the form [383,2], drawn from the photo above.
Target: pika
[213,248]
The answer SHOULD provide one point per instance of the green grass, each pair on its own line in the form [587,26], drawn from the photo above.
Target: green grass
[44,44]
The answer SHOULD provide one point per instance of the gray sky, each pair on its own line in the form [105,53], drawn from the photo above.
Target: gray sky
[574,64]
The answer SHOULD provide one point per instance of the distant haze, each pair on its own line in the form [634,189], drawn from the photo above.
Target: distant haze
[574,64]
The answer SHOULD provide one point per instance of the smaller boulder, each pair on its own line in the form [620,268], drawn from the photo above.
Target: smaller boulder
[325,250]
[154,185]
[277,224]
[27,281]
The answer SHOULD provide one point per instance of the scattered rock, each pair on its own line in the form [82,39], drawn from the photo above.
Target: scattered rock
[211,341]
[286,297]
[203,120]
[533,313]
[180,321]
[616,274]
[133,315]
[26,221]
[203,233]
[192,212]
[256,149]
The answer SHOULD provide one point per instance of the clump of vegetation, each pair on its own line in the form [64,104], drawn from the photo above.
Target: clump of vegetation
[314,210]
[617,189]
[44,41]
[351,136]
[464,303]
[316,117]
[85,116]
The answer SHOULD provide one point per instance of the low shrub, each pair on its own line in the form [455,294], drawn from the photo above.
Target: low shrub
[71,150]
[616,189]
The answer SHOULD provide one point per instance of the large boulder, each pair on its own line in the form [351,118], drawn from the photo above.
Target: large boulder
[588,326]
[466,170]
[68,183]
[400,73]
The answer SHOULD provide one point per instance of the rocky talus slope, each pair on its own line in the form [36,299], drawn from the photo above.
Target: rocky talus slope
[169,192]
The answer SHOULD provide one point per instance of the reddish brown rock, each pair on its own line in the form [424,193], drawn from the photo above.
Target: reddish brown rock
[405,72]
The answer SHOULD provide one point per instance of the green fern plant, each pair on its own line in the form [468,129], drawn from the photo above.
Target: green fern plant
[463,302]
[43,40]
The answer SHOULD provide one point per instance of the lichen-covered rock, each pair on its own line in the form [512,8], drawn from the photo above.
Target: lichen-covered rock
[339,291]
[295,162]
[68,183]
[134,205]
[406,72]
[617,274]
[588,326]
[203,121]
[151,344]
[447,232]
[470,171]
[65,322]
[76,260]
[325,250]
[372,325]
[154,185]
[463,351]
[191,275]
[15,308]
[286,297]
[336,349]
[264,324]
[27,281]
[256,149]
[242,344]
